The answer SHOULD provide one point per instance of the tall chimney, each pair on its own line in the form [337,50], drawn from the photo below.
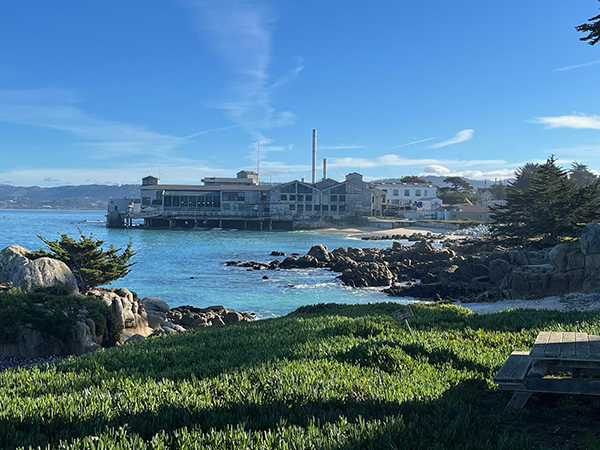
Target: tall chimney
[324,168]
[314,161]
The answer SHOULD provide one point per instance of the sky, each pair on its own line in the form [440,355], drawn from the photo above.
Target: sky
[109,92]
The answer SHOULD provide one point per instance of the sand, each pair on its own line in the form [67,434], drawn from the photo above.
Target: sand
[376,231]
[567,302]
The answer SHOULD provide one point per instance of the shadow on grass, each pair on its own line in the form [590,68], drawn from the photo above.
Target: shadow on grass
[416,421]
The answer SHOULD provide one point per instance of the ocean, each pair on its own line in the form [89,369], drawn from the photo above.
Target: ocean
[186,267]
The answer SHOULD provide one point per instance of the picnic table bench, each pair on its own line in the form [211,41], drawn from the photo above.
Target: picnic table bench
[553,351]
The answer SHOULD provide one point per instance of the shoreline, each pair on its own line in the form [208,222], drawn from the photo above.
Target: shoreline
[576,301]
[364,231]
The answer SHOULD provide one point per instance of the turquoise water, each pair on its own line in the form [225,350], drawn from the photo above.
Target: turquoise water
[168,259]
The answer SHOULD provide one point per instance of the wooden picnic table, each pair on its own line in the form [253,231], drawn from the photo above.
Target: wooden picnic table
[553,351]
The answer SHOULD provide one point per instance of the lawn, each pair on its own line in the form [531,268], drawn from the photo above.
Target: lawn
[323,377]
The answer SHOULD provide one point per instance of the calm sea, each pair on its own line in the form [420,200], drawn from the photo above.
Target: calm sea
[186,266]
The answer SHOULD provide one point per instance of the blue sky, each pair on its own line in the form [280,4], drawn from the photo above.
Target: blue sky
[108,92]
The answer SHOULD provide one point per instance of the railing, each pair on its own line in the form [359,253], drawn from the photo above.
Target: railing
[175,214]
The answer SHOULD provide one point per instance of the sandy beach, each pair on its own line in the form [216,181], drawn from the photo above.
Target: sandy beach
[376,231]
[567,302]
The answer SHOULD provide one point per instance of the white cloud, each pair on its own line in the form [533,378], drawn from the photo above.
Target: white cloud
[438,170]
[57,109]
[577,66]
[576,121]
[461,136]
[398,161]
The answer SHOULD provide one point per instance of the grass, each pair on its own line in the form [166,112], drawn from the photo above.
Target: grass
[324,377]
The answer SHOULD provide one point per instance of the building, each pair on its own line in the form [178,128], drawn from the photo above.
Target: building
[327,199]
[244,203]
[479,213]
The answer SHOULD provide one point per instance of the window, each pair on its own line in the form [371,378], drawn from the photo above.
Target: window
[334,198]
[342,198]
[425,193]
[339,189]
[342,209]
[407,192]
[176,201]
[158,195]
[304,189]
[317,207]
[145,200]
[395,194]
[289,189]
[284,197]
[168,199]
[292,198]
[334,208]
[309,198]
[234,196]
[325,208]
[184,201]
[301,198]
[300,208]
[417,192]
[292,207]
[309,207]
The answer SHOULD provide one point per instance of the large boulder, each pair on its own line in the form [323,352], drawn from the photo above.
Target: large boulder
[368,274]
[129,311]
[45,273]
[558,257]
[12,260]
[498,270]
[590,239]
[319,252]
[156,310]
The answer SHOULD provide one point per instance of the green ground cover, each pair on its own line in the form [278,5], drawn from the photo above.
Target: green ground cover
[323,377]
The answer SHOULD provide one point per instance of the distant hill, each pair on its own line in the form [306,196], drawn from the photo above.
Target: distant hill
[91,196]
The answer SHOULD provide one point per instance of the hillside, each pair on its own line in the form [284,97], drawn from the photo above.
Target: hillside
[93,196]
[324,377]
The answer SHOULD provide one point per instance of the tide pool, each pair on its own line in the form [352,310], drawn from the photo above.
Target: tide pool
[185,267]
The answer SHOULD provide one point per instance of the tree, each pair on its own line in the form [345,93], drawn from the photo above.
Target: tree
[524,176]
[581,175]
[553,205]
[458,184]
[413,179]
[498,191]
[91,265]
[592,28]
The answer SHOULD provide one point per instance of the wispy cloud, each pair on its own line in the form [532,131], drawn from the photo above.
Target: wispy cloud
[461,136]
[59,109]
[577,66]
[412,143]
[240,33]
[340,147]
[576,121]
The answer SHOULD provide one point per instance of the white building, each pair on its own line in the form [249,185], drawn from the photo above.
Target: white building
[409,193]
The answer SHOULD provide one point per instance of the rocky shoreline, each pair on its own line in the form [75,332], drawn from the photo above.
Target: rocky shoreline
[469,270]
[126,317]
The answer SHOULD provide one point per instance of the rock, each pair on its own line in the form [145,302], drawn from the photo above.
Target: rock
[319,252]
[558,256]
[12,260]
[498,270]
[590,239]
[217,321]
[45,273]
[276,253]
[368,274]
[575,261]
[134,338]
[155,304]
[232,317]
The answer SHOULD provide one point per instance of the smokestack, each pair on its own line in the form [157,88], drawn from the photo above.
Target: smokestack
[324,168]
[314,165]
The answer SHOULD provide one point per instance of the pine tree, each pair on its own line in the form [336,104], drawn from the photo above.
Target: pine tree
[91,265]
[553,205]
[592,28]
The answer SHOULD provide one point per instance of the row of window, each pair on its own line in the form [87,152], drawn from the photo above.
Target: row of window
[192,201]
[395,192]
[309,198]
[318,208]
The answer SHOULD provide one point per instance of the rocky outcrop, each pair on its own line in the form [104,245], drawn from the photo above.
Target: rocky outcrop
[192,317]
[29,275]
[129,311]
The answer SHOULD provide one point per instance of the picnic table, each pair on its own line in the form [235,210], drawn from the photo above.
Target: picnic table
[572,353]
